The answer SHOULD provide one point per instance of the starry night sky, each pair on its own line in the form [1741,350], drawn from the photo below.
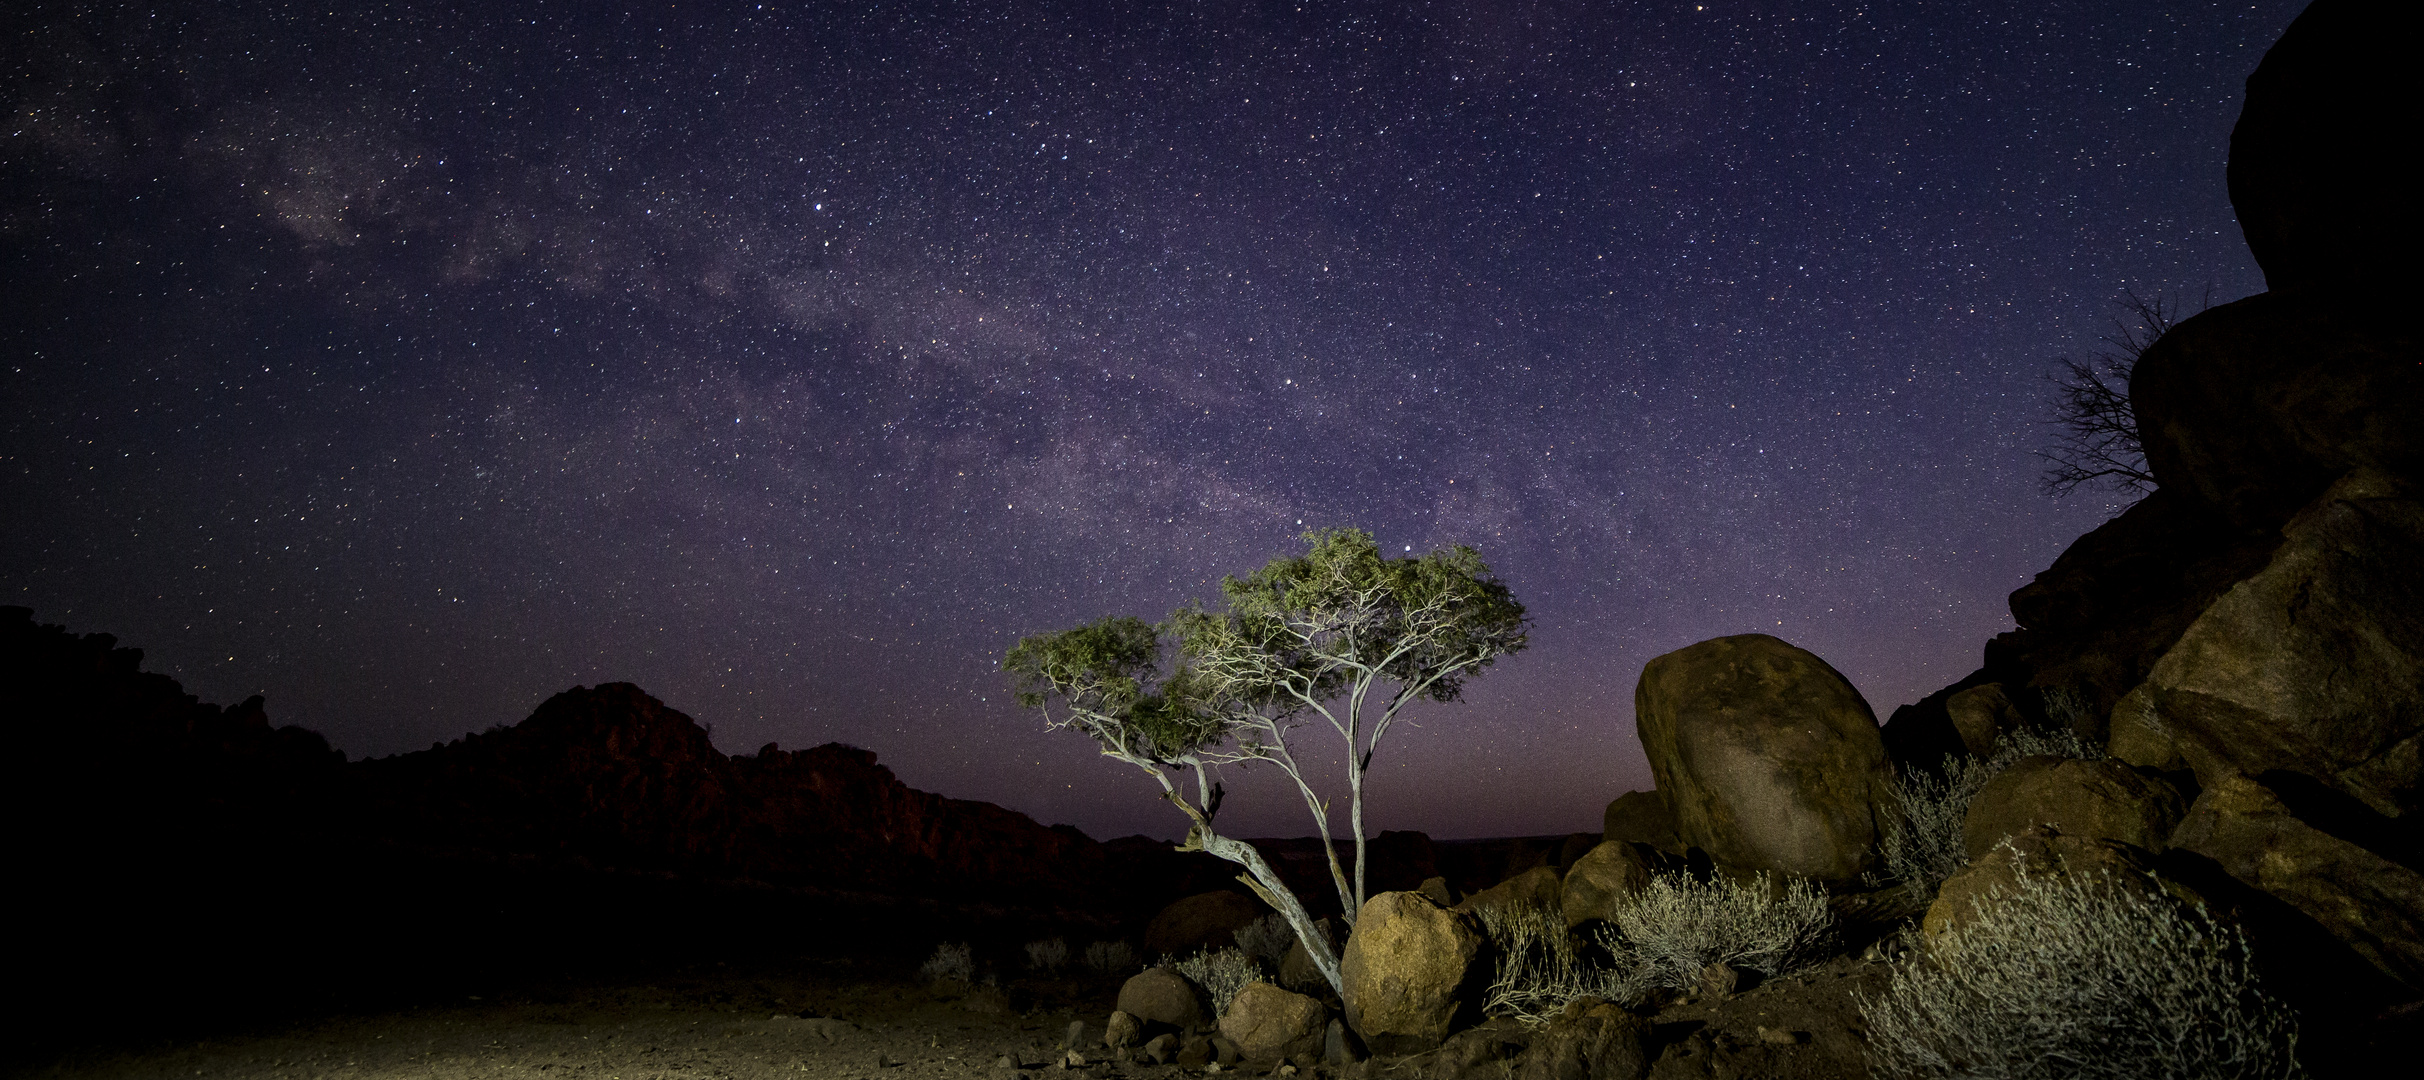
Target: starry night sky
[790,361]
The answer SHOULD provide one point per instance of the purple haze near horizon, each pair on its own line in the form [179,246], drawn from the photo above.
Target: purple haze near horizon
[410,366]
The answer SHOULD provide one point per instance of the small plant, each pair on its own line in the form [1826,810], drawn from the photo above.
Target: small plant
[2081,977]
[1221,973]
[1678,924]
[1926,846]
[1111,957]
[950,962]
[1267,938]
[1048,956]
[1542,966]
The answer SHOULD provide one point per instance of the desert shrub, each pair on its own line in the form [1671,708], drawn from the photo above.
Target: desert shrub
[1925,846]
[2081,977]
[1111,957]
[1221,973]
[1267,938]
[1049,955]
[1679,924]
[950,962]
[1541,965]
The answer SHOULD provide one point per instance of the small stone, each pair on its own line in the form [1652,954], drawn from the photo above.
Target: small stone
[1716,981]
[1780,1036]
[1285,1069]
[1005,1062]
[1074,1059]
[1121,1031]
[1212,1067]
[1076,1036]
[1161,1048]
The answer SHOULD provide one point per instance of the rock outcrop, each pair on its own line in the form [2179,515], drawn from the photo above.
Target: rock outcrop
[2323,193]
[1411,971]
[1643,818]
[1768,757]
[2315,664]
[2370,902]
[2096,800]
[1534,888]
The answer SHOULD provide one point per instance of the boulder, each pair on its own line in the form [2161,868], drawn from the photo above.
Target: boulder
[1535,888]
[2102,800]
[1980,715]
[1163,996]
[1600,880]
[1643,818]
[1270,1025]
[1202,921]
[2315,664]
[1920,736]
[1412,970]
[2039,850]
[2316,174]
[1122,1031]
[1436,888]
[1768,757]
[1297,970]
[1596,1041]
[2255,406]
[1485,1052]
[2139,738]
[2371,903]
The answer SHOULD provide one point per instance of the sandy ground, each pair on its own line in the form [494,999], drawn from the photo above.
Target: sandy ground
[873,1020]
[857,1024]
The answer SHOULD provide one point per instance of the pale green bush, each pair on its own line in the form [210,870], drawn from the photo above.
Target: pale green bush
[1678,924]
[2081,978]
[1221,973]
[1111,957]
[1542,965]
[1048,956]
[950,962]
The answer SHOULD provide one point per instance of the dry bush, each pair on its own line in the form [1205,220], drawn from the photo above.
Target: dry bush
[1678,924]
[2081,978]
[1267,938]
[1048,956]
[1925,846]
[1221,973]
[1542,965]
[1111,957]
[950,962]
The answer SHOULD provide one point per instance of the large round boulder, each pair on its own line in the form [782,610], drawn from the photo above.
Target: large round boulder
[1161,998]
[1413,969]
[1202,921]
[1768,758]
[1609,875]
[2316,174]
[2103,800]
[1270,1025]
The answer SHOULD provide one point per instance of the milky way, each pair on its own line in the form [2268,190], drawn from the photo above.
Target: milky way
[410,366]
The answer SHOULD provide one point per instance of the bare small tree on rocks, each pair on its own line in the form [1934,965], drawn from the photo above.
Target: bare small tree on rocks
[2096,432]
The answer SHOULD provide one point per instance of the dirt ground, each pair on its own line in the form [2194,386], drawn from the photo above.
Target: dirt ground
[864,1020]
[844,1020]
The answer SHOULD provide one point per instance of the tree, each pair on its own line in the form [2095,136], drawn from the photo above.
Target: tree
[1339,634]
[2097,440]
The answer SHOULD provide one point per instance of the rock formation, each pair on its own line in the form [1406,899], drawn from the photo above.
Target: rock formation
[1411,972]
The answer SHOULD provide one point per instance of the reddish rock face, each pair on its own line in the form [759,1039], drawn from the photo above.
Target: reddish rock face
[611,776]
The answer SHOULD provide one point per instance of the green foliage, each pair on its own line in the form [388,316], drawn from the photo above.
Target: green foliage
[1107,674]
